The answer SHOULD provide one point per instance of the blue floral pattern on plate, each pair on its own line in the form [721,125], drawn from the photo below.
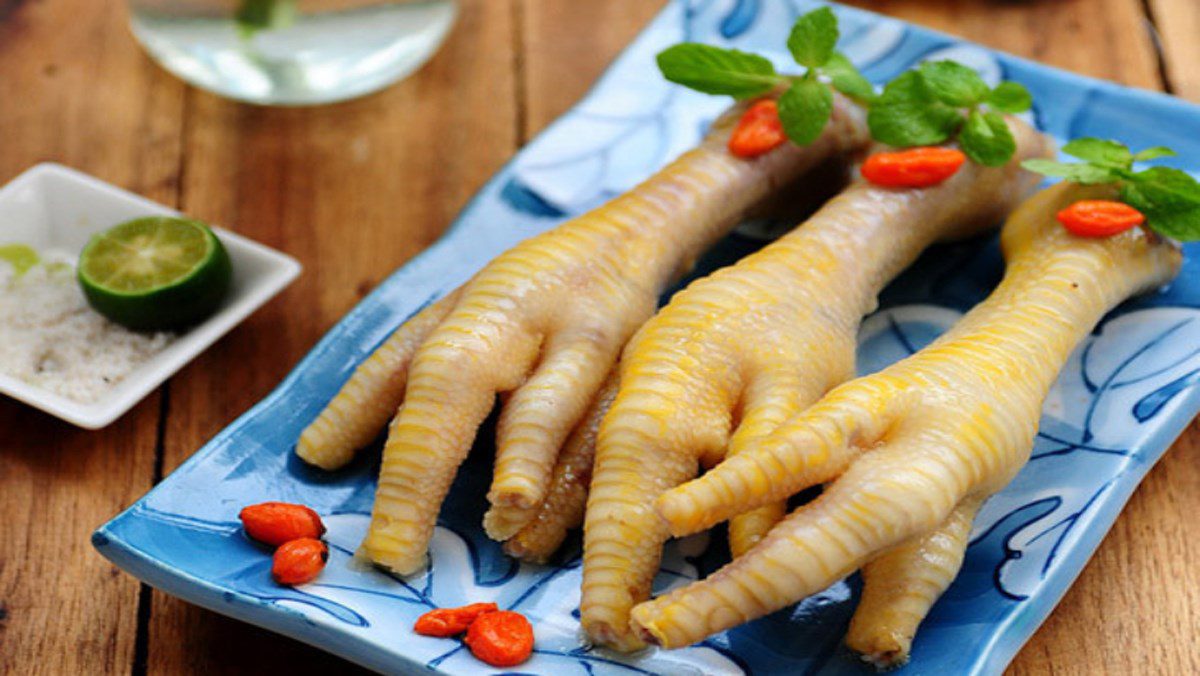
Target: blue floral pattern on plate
[1121,400]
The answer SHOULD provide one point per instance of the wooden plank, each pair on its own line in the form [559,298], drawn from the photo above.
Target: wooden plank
[1101,38]
[352,190]
[77,90]
[1178,23]
[1136,607]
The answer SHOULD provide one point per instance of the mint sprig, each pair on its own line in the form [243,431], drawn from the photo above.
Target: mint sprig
[1010,97]
[813,38]
[1169,198]
[907,114]
[937,102]
[804,109]
[943,99]
[845,78]
[805,101]
[985,139]
[714,70]
[954,84]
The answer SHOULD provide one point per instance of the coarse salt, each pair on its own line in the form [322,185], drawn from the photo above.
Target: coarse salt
[52,339]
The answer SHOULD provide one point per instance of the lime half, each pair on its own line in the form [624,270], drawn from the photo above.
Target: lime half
[156,273]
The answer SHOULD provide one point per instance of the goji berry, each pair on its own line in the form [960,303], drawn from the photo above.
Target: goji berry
[758,131]
[275,523]
[1099,218]
[914,168]
[444,622]
[502,639]
[299,561]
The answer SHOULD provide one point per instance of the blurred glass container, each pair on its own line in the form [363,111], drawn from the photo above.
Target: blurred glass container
[291,52]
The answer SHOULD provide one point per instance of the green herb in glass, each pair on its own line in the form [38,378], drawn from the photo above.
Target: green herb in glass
[259,15]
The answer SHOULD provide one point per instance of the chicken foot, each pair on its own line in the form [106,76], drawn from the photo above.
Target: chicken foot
[906,447]
[754,344]
[543,323]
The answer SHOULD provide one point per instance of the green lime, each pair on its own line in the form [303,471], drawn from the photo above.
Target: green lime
[155,273]
[21,257]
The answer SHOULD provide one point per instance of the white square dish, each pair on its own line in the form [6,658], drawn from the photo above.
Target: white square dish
[53,208]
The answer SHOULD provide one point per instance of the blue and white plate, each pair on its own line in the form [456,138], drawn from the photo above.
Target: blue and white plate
[1121,400]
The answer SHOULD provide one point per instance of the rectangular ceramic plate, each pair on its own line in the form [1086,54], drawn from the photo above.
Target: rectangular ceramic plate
[55,209]
[1121,400]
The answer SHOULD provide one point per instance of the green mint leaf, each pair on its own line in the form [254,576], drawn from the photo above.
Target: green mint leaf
[953,83]
[714,70]
[1180,225]
[1169,198]
[1079,172]
[813,37]
[804,110]
[1101,152]
[906,114]
[846,79]
[986,139]
[1153,154]
[1010,97]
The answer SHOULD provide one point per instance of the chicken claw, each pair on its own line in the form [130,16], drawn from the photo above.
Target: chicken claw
[365,403]
[902,584]
[961,420]
[544,322]
[754,344]
[542,531]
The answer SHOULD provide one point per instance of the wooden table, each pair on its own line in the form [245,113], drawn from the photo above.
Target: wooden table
[353,191]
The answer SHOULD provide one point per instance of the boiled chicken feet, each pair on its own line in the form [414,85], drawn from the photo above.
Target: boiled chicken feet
[542,324]
[911,449]
[739,352]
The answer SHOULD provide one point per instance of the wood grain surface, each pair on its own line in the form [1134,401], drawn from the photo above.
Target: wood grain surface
[75,89]
[354,190]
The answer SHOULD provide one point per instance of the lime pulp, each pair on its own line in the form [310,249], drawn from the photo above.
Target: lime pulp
[22,258]
[156,273]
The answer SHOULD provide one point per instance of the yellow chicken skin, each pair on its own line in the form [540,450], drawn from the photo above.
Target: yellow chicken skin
[902,584]
[750,346]
[372,394]
[904,448]
[543,323]
[546,528]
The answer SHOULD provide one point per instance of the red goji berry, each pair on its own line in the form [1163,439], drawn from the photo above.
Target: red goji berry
[275,523]
[444,622]
[758,131]
[914,168]
[299,561]
[1099,218]
[502,639]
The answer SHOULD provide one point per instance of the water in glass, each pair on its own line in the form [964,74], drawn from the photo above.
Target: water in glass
[291,52]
